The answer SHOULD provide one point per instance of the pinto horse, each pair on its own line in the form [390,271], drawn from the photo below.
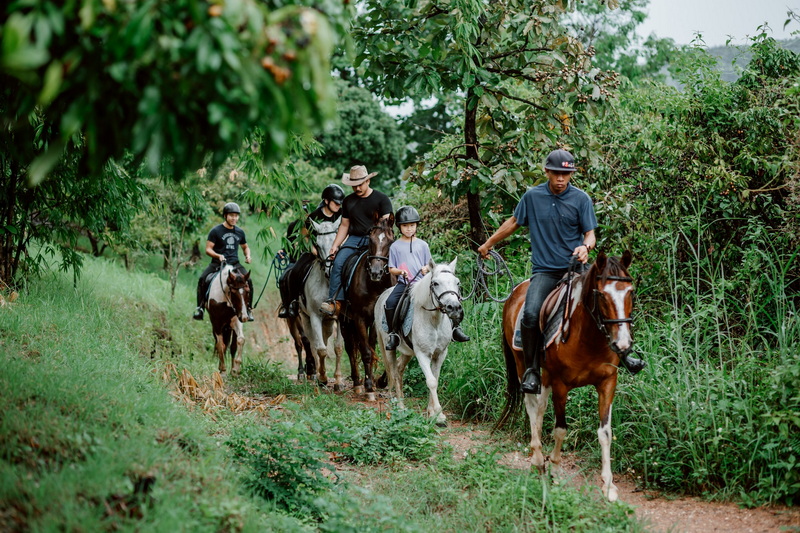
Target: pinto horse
[370,278]
[599,331]
[227,311]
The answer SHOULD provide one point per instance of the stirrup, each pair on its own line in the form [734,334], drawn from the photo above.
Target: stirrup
[198,314]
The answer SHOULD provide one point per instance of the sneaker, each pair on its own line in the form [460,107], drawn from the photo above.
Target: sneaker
[392,342]
[331,308]
[283,313]
[198,314]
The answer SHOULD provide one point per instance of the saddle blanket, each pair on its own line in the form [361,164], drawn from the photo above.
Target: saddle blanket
[408,320]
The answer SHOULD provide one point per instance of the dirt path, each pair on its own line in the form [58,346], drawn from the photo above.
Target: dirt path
[661,513]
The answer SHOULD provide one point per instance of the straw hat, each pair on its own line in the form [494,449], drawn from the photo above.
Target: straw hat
[358,174]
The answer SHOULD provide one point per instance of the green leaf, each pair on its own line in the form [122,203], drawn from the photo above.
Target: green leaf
[53,77]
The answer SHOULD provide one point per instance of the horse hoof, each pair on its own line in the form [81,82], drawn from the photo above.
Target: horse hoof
[301,378]
[337,388]
[359,389]
[370,396]
[612,495]
[441,423]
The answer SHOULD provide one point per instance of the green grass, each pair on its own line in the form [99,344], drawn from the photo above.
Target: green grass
[92,439]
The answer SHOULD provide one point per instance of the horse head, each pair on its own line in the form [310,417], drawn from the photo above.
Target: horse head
[445,290]
[325,233]
[381,237]
[237,292]
[608,296]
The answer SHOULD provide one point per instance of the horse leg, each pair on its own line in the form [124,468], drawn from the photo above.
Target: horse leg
[351,347]
[369,358]
[237,347]
[294,331]
[536,405]
[223,339]
[605,392]
[433,400]
[434,409]
[338,346]
[310,366]
[560,429]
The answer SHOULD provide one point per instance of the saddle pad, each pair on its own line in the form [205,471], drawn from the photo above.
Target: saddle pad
[349,268]
[408,320]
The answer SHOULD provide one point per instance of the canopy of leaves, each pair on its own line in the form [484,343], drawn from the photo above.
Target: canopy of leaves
[170,81]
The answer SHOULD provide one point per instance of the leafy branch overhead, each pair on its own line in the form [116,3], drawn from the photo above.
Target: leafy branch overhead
[174,81]
[527,84]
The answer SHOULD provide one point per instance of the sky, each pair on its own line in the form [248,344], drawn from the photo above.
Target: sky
[717,19]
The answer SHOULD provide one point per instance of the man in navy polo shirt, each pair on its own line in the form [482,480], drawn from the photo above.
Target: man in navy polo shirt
[561,221]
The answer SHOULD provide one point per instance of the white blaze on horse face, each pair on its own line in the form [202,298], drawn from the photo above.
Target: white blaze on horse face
[624,339]
[381,237]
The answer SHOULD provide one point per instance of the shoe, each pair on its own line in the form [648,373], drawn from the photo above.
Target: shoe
[283,313]
[392,342]
[460,336]
[531,382]
[198,314]
[633,364]
[331,308]
[293,308]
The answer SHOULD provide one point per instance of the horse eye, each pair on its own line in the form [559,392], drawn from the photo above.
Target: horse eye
[435,283]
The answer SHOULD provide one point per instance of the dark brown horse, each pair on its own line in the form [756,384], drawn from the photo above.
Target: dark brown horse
[588,353]
[370,278]
[227,309]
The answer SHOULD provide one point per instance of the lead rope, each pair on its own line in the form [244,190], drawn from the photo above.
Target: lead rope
[279,264]
[482,274]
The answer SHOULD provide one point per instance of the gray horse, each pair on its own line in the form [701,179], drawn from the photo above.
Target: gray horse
[435,304]
[319,328]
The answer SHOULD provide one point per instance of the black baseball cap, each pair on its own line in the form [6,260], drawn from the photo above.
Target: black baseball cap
[560,160]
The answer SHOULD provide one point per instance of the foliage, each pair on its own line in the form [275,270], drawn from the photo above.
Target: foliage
[527,86]
[187,81]
[612,33]
[284,464]
[364,134]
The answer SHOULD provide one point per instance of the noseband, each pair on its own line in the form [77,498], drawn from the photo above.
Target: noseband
[437,298]
[601,321]
[379,257]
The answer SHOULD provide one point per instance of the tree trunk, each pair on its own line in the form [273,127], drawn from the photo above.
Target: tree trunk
[477,233]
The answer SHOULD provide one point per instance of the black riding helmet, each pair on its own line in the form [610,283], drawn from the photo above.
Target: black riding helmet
[406,215]
[333,193]
[231,207]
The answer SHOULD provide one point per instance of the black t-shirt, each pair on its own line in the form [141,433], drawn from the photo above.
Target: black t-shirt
[360,211]
[227,242]
[317,215]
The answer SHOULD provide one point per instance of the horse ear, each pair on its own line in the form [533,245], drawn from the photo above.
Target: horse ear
[600,262]
[453,264]
[431,265]
[375,218]
[247,276]
[314,224]
[391,220]
[627,258]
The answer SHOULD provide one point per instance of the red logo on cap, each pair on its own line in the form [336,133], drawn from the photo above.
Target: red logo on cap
[567,164]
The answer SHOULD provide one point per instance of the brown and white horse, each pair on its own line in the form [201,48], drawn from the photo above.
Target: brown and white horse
[599,332]
[227,311]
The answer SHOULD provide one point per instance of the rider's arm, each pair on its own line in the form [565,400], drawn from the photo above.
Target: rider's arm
[341,235]
[507,228]
[211,253]
[589,242]
[246,250]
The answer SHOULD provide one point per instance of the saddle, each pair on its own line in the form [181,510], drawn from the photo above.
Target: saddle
[403,318]
[552,314]
[349,267]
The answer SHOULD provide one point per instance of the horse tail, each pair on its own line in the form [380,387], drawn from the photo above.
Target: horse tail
[513,393]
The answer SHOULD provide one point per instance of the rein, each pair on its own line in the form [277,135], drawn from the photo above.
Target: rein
[482,273]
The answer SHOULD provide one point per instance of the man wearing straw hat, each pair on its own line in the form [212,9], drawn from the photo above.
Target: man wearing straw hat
[357,212]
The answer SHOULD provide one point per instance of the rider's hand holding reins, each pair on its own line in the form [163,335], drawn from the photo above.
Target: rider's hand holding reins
[582,253]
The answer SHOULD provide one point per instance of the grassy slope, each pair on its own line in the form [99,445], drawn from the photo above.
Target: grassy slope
[92,440]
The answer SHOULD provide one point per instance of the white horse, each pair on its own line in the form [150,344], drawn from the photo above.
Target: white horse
[320,328]
[435,304]
[227,311]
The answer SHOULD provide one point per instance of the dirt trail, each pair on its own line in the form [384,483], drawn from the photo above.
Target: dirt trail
[662,514]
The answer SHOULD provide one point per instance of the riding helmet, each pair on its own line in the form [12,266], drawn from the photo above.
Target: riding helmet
[406,215]
[333,193]
[231,207]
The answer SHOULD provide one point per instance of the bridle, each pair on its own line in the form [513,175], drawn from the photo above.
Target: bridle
[436,299]
[601,321]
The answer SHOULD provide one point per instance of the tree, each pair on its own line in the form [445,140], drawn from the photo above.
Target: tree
[527,86]
[363,134]
[176,84]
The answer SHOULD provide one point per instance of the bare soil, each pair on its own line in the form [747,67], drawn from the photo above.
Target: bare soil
[661,513]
